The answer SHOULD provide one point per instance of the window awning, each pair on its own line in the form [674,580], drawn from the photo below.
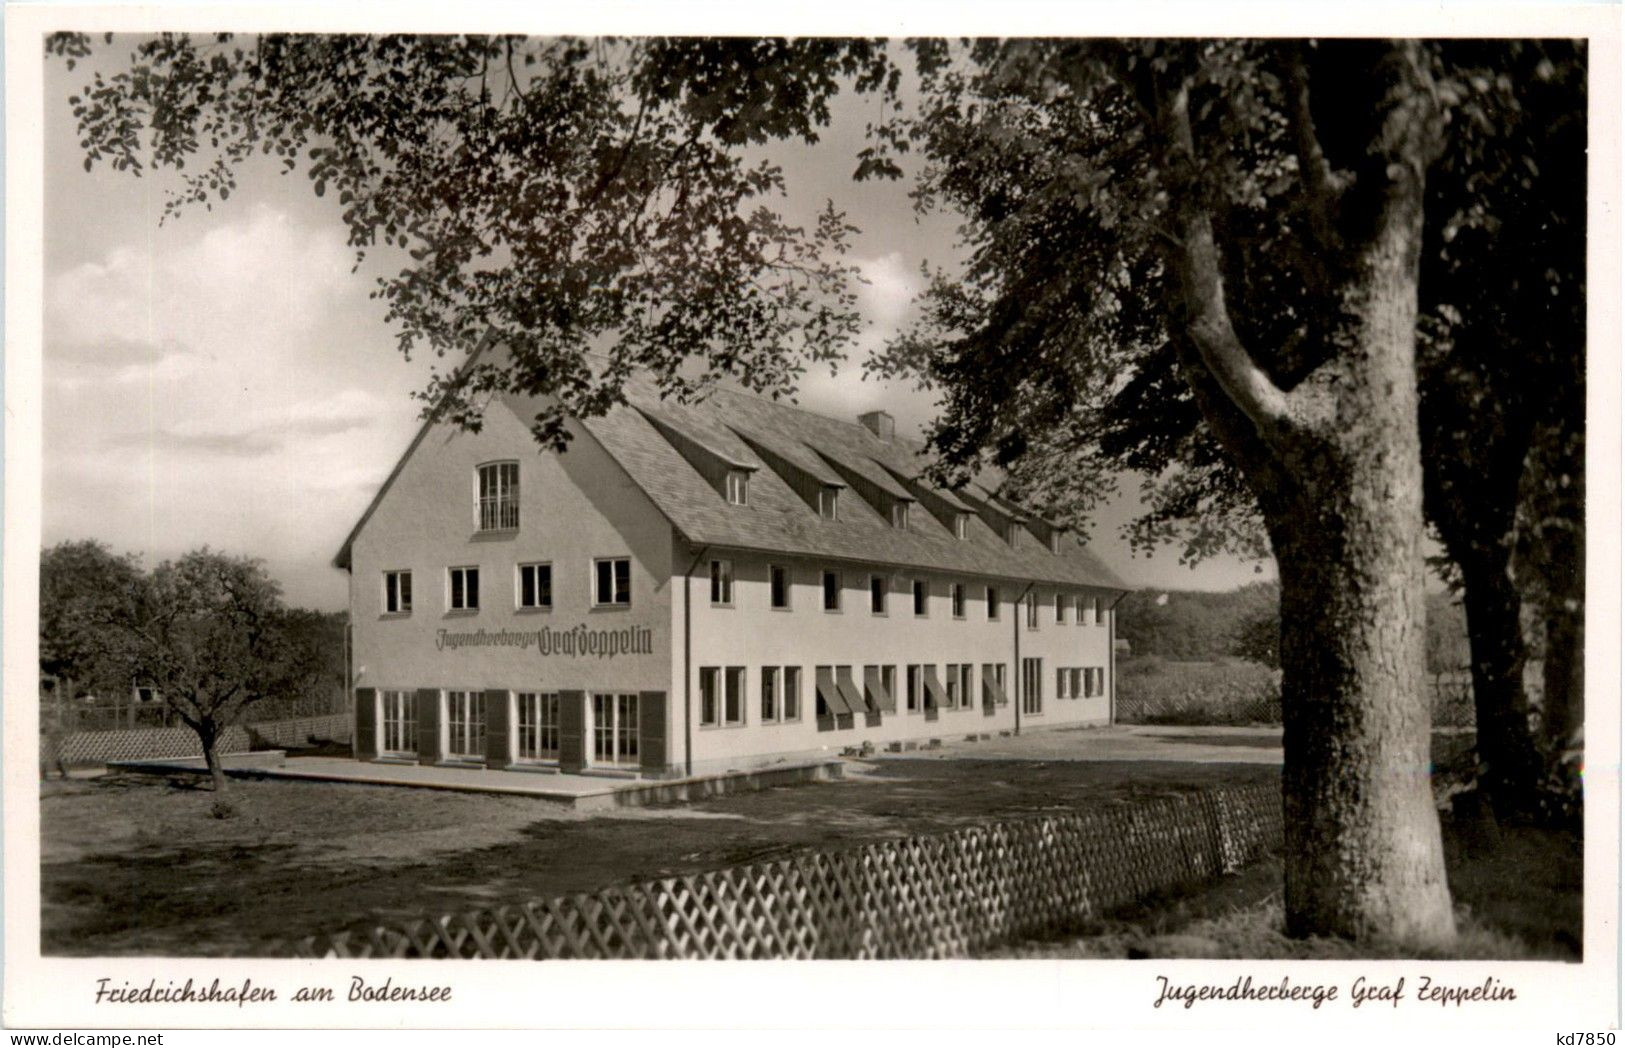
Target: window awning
[849,689]
[834,701]
[992,690]
[874,686]
[934,691]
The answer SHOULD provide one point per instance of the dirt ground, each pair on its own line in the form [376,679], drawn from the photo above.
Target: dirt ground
[137,865]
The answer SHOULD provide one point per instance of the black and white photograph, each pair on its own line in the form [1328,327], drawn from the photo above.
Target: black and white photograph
[1108,504]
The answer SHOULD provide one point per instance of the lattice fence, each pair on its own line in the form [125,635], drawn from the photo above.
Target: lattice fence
[99,747]
[933,896]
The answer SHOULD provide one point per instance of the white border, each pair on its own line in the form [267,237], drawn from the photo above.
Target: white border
[1029,996]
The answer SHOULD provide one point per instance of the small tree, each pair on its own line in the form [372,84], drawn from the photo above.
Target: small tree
[85,591]
[206,634]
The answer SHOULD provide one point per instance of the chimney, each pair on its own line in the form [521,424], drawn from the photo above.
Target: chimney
[880,424]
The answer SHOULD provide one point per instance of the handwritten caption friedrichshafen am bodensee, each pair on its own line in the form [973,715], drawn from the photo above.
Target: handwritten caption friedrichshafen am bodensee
[1361,993]
[197,991]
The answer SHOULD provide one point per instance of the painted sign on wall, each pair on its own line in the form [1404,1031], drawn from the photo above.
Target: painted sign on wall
[576,642]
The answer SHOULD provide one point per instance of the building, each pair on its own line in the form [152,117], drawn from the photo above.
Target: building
[695,588]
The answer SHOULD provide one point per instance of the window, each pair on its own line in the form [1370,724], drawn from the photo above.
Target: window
[1032,686]
[1055,541]
[1032,611]
[1060,684]
[792,693]
[957,591]
[1010,530]
[397,592]
[778,586]
[877,594]
[828,497]
[921,606]
[770,694]
[538,726]
[967,685]
[1100,612]
[899,515]
[400,723]
[612,582]
[498,496]
[722,582]
[738,487]
[1078,689]
[615,729]
[722,695]
[465,725]
[464,586]
[710,695]
[535,585]
[961,525]
[1080,609]
[995,695]
[915,678]
[832,591]
[1060,608]
[733,696]
[888,681]
[993,604]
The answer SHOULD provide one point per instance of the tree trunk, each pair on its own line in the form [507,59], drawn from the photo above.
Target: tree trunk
[209,735]
[1364,857]
[1504,739]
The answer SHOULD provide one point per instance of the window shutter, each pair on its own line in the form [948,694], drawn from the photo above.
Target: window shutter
[429,726]
[572,731]
[498,740]
[366,724]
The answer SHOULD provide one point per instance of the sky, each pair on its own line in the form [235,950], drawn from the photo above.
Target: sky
[223,379]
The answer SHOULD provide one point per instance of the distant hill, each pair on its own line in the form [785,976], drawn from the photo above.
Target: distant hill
[1191,624]
[1197,624]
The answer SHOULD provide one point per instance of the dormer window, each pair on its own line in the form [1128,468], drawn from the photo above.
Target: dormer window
[961,525]
[738,487]
[496,496]
[899,515]
[1010,529]
[1055,541]
[828,496]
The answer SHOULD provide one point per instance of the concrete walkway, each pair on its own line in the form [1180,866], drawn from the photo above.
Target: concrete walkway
[581,792]
[1119,742]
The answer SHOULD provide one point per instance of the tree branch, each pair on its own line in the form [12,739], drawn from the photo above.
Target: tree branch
[1196,261]
[1322,186]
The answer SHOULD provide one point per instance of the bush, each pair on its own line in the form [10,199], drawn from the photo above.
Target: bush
[1226,693]
[223,809]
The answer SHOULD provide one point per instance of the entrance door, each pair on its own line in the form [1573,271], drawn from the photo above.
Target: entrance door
[400,724]
[615,729]
[465,724]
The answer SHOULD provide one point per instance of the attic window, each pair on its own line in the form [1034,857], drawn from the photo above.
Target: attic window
[496,496]
[1055,541]
[899,515]
[828,495]
[1010,529]
[738,487]
[961,525]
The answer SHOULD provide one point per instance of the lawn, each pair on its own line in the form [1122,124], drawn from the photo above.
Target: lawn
[1518,894]
[137,865]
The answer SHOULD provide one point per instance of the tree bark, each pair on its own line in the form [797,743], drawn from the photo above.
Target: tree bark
[1504,739]
[1364,857]
[1336,465]
[209,735]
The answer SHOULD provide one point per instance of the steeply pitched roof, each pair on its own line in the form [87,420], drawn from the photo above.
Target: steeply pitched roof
[731,425]
[778,520]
